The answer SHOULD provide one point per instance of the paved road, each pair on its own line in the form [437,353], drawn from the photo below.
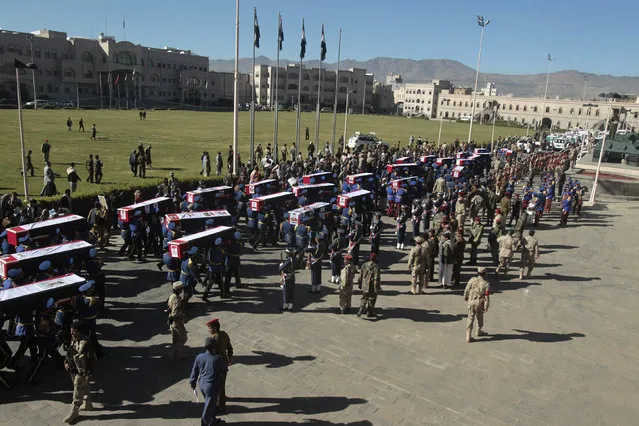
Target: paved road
[561,348]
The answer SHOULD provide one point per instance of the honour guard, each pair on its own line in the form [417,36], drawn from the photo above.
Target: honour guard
[287,271]
[345,288]
[317,253]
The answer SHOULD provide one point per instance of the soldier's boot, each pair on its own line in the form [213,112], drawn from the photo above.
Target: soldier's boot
[361,310]
[73,415]
[528,274]
[521,274]
[480,332]
[87,406]
[468,337]
[413,289]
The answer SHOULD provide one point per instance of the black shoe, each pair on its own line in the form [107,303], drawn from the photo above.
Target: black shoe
[371,315]
[359,313]
[160,265]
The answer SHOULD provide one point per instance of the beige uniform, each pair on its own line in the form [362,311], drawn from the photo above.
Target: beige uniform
[416,266]
[347,277]
[507,247]
[529,254]
[177,318]
[79,359]
[460,212]
[476,294]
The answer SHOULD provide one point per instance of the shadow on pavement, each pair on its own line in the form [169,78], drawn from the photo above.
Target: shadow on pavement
[559,277]
[532,336]
[269,359]
[417,315]
[294,405]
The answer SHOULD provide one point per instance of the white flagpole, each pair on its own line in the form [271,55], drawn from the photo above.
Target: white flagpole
[252,144]
[601,153]
[299,101]
[339,51]
[317,110]
[277,82]
[235,84]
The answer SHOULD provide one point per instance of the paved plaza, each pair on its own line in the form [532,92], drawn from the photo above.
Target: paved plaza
[560,348]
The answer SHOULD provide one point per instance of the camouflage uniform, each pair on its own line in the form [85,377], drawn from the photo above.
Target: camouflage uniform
[347,276]
[477,295]
[416,266]
[79,362]
[177,319]
[529,253]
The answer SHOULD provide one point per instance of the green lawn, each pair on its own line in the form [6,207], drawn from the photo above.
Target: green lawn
[178,139]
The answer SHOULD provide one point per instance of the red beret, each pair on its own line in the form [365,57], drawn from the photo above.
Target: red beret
[373,256]
[213,321]
[477,219]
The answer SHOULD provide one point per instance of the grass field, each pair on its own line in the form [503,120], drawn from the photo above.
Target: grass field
[178,139]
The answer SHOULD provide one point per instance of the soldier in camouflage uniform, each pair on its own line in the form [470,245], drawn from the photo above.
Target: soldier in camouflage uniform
[416,267]
[529,254]
[369,283]
[347,277]
[426,257]
[477,294]
[177,318]
[507,248]
[78,363]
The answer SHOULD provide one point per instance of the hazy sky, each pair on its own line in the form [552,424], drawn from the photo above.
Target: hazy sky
[587,36]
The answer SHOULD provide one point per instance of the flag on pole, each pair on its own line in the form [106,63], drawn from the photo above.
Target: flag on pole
[280,33]
[123,24]
[303,45]
[256,30]
[117,79]
[323,45]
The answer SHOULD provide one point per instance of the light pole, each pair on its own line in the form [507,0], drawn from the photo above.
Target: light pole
[601,153]
[35,93]
[543,105]
[21,66]
[492,138]
[346,119]
[583,99]
[441,121]
[482,23]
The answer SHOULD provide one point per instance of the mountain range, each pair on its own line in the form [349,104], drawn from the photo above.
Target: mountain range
[564,84]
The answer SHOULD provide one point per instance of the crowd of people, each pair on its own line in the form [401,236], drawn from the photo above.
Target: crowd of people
[503,190]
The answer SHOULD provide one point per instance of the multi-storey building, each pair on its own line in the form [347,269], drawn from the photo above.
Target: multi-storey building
[355,82]
[110,72]
[420,99]
[383,98]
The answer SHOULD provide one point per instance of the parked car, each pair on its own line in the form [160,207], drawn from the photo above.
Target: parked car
[326,109]
[359,140]
[559,144]
[36,103]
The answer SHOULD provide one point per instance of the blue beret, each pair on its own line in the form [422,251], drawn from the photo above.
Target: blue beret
[209,222]
[237,235]
[286,215]
[93,252]
[86,286]
[197,198]
[171,226]
[312,180]
[57,231]
[45,266]
[241,186]
[14,273]
[70,261]
[138,213]
[218,241]
[193,250]
[50,303]
[6,284]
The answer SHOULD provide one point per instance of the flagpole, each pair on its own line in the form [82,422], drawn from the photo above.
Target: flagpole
[299,93]
[235,85]
[252,143]
[339,49]
[277,83]
[126,90]
[317,109]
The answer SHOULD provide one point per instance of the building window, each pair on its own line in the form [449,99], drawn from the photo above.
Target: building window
[547,109]
[49,88]
[69,72]
[560,110]
[54,54]
[597,113]
[516,107]
[40,89]
[57,89]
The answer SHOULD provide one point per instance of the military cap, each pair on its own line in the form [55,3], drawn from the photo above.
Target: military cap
[45,266]
[93,252]
[237,235]
[373,256]
[171,226]
[178,285]
[481,270]
[86,286]
[14,273]
[193,250]
[218,241]
[419,240]
[138,213]
[348,257]
[23,239]
[209,222]
[477,219]
[50,303]
[286,215]
[213,321]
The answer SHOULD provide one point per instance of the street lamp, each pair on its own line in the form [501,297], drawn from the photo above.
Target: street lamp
[543,105]
[21,66]
[35,104]
[601,154]
[482,23]
[346,118]
[441,120]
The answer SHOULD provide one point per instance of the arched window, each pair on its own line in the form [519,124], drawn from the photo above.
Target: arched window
[516,107]
[572,111]
[547,109]
[454,103]
[292,86]
[510,107]
[597,113]
[87,65]
[155,78]
[525,108]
